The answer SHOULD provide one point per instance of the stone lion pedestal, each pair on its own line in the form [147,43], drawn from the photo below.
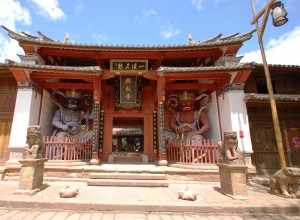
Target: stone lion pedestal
[231,167]
[32,163]
[233,180]
[31,175]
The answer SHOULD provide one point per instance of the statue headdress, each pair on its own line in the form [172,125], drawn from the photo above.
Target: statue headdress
[73,94]
[186,96]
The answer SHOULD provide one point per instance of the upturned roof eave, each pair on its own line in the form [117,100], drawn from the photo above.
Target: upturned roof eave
[217,41]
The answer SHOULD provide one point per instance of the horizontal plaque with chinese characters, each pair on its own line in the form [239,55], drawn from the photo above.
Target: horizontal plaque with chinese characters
[128,65]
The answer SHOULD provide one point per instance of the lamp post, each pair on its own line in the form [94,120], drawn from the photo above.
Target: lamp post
[279,18]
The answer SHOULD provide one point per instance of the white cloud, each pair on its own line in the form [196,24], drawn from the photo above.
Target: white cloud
[11,12]
[168,31]
[49,9]
[285,50]
[79,7]
[150,12]
[9,49]
[137,20]
[100,38]
[197,4]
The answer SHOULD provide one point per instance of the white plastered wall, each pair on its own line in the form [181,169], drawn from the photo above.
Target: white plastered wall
[233,116]
[212,115]
[47,113]
[26,113]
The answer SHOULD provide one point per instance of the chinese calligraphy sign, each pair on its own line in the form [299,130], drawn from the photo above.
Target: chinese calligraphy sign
[128,92]
[128,65]
[128,89]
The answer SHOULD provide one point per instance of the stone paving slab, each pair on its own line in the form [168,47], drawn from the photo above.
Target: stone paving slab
[41,214]
[146,199]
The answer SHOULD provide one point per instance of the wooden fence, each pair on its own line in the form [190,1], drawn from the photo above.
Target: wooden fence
[194,152]
[74,149]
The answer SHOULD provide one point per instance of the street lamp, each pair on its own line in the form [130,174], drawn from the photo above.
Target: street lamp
[279,18]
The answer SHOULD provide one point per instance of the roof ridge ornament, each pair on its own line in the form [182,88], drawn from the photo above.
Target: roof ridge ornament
[191,39]
[66,39]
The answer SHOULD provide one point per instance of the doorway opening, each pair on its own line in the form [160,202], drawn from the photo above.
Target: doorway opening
[128,135]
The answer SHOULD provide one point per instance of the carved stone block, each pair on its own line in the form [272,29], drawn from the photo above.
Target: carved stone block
[233,179]
[31,174]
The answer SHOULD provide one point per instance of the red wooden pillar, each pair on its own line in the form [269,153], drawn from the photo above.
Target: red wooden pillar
[162,151]
[97,98]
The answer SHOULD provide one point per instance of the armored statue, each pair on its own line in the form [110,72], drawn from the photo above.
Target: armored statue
[285,182]
[35,148]
[186,123]
[229,149]
[68,118]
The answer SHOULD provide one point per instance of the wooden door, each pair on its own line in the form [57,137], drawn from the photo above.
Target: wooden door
[5,127]
[8,93]
[265,157]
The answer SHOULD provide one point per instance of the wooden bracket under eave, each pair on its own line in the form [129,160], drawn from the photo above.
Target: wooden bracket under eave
[20,75]
[242,76]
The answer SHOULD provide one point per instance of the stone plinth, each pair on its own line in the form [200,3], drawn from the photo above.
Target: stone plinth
[32,173]
[233,179]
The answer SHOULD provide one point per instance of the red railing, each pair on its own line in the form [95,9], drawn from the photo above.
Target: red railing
[200,151]
[58,148]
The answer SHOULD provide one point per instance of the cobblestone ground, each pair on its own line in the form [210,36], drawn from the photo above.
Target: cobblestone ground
[30,214]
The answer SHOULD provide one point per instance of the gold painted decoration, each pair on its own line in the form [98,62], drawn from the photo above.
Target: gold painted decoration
[135,66]
[73,94]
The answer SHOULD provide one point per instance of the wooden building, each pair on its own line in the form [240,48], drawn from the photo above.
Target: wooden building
[139,120]
[285,81]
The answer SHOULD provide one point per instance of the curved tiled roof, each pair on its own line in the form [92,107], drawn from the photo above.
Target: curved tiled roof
[45,68]
[202,68]
[254,64]
[215,41]
[11,63]
[265,97]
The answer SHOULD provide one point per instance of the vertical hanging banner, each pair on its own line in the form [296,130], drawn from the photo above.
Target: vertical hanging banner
[128,88]
[128,92]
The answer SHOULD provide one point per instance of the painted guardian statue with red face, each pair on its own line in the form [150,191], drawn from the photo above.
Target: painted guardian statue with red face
[186,123]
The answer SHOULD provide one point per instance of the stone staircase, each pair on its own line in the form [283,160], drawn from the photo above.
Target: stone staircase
[129,179]
[121,173]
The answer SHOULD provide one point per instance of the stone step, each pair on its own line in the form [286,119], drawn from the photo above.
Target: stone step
[127,183]
[128,176]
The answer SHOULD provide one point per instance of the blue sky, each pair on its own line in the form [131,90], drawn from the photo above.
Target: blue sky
[149,22]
